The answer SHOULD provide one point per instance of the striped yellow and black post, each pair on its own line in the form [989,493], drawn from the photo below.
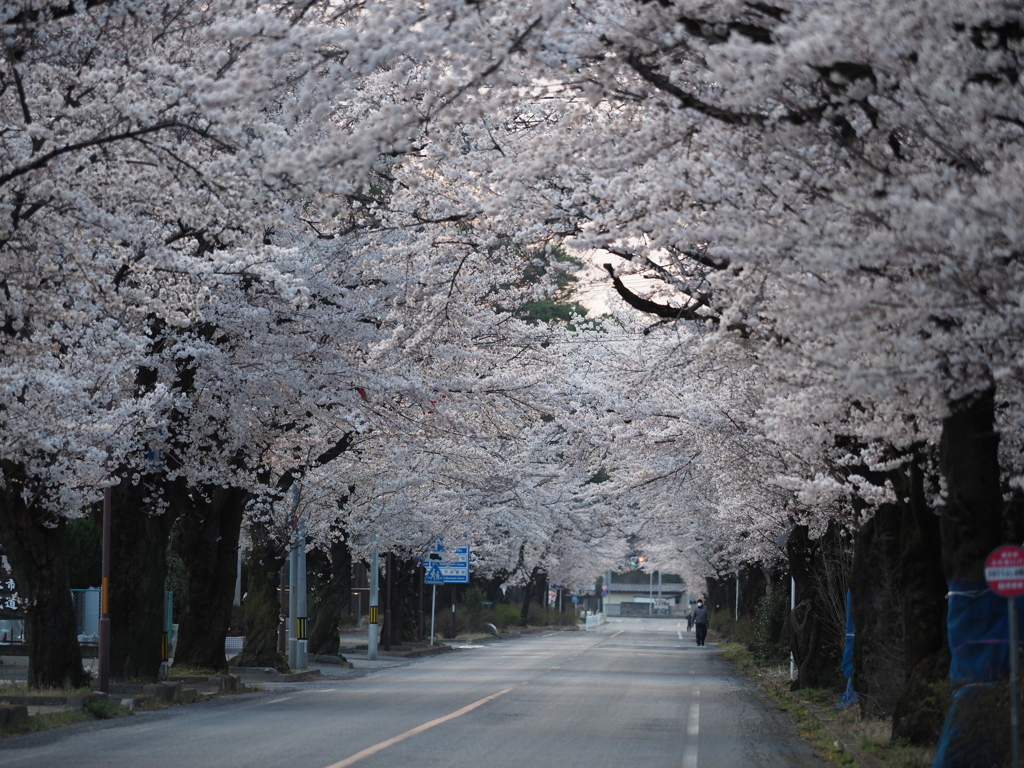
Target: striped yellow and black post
[300,628]
[374,615]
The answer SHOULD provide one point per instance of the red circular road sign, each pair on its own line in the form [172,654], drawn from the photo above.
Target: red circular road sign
[1004,570]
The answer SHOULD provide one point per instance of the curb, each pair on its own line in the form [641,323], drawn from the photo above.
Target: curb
[841,737]
[271,675]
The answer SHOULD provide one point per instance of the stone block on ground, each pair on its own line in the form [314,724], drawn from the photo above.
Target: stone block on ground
[188,695]
[13,714]
[165,691]
[338,660]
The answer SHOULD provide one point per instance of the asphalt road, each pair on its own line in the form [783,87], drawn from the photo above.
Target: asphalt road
[632,694]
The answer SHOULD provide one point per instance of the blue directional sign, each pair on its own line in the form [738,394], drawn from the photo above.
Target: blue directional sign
[446,565]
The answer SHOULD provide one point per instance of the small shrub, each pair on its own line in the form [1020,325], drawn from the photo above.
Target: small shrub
[726,628]
[769,619]
[104,709]
[504,616]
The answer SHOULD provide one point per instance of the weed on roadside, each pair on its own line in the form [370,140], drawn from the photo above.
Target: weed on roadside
[45,722]
[874,736]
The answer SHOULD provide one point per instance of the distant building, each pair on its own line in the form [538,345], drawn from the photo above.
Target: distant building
[629,596]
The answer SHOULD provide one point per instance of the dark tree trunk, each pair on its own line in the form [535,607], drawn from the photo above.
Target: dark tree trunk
[721,592]
[531,583]
[262,609]
[34,542]
[924,583]
[492,587]
[206,540]
[971,520]
[138,572]
[405,599]
[331,590]
[816,655]
[921,709]
[878,657]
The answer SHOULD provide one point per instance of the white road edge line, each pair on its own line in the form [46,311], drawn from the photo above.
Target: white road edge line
[692,733]
[277,701]
[413,731]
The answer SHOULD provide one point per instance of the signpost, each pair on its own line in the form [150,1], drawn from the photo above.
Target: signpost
[1004,572]
[444,566]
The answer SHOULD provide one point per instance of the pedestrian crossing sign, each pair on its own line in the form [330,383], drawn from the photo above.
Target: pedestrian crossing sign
[433,574]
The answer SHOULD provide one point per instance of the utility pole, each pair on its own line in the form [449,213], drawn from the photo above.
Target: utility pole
[737,594]
[389,561]
[293,585]
[433,611]
[238,579]
[650,595]
[282,627]
[371,643]
[165,634]
[420,570]
[104,643]
[455,594]
[608,583]
[792,607]
[302,644]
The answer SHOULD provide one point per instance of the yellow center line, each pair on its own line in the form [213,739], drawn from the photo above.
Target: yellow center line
[418,729]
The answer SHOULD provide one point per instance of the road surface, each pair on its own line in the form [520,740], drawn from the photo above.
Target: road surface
[639,692]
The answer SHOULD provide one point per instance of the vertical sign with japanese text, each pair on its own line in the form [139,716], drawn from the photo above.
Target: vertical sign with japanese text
[10,606]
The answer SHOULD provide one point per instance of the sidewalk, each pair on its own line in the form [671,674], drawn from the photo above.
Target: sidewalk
[353,661]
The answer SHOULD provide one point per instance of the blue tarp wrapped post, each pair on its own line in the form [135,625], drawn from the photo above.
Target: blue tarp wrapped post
[849,697]
[978,624]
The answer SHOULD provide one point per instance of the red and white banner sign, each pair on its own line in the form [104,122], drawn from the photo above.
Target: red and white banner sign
[1004,571]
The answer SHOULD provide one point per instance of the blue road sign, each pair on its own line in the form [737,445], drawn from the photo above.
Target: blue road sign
[433,574]
[446,565]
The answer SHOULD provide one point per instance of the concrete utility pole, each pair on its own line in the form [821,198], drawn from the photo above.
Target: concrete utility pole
[302,644]
[419,623]
[737,594]
[282,629]
[371,642]
[389,561]
[792,607]
[104,641]
[433,610]
[165,634]
[293,613]
[455,596]
[238,579]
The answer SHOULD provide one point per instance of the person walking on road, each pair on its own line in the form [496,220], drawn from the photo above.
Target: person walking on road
[689,621]
[700,619]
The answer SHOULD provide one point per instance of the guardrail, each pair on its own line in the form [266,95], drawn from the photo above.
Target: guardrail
[595,621]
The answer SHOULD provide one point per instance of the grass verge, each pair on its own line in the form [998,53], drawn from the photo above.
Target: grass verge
[873,736]
[45,722]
